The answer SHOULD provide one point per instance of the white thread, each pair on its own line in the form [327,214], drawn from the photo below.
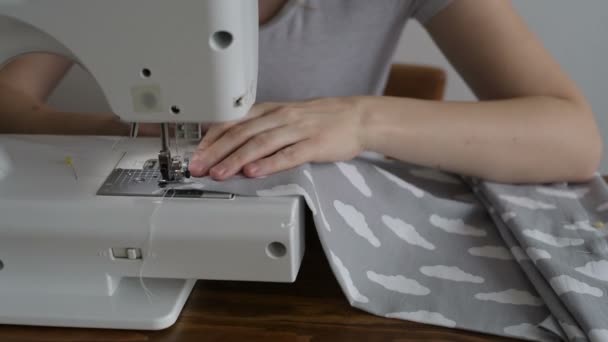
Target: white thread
[147,250]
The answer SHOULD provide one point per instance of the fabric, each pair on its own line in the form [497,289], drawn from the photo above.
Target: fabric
[323,48]
[416,244]
[563,231]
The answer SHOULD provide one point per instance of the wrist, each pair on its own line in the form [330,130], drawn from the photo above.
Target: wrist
[373,122]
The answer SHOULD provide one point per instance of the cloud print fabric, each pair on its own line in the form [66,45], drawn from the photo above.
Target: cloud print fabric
[417,244]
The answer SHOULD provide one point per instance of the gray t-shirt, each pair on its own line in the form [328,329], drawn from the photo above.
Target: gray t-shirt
[323,48]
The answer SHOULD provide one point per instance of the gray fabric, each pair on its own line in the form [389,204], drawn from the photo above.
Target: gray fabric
[562,228]
[412,243]
[321,48]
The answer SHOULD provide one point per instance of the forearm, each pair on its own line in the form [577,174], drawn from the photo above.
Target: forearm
[534,139]
[22,115]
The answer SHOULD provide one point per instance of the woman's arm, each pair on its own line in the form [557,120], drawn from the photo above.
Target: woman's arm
[521,140]
[25,85]
[533,124]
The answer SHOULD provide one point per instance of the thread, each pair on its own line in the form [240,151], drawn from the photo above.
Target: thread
[69,161]
[147,249]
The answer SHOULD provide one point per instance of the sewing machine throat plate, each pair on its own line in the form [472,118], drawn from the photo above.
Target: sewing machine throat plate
[133,182]
[145,183]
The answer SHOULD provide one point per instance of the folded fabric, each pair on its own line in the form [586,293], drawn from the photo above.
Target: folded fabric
[562,230]
[416,244]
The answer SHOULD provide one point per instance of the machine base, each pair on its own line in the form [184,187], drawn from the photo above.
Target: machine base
[71,254]
[131,306]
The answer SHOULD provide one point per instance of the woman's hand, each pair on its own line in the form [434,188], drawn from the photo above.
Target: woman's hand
[279,136]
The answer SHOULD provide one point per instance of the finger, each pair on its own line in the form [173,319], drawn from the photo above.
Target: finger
[197,164]
[260,146]
[285,159]
[231,140]
[215,131]
[261,109]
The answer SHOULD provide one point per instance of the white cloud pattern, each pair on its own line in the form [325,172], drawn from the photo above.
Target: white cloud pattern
[325,223]
[450,273]
[399,284]
[456,226]
[407,232]
[570,194]
[595,269]
[566,284]
[424,317]
[598,335]
[401,183]
[537,254]
[355,177]
[551,239]
[356,220]
[581,225]
[527,203]
[351,289]
[494,252]
[514,297]
[508,216]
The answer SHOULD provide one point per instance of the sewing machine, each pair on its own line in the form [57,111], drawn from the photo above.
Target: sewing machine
[100,232]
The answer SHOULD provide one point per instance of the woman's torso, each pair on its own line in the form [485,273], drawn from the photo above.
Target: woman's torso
[323,48]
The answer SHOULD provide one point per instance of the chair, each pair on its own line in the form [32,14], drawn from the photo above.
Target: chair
[416,81]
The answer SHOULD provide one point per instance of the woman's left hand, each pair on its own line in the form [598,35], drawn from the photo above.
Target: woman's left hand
[279,136]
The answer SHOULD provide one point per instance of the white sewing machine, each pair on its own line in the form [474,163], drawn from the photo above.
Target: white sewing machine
[95,232]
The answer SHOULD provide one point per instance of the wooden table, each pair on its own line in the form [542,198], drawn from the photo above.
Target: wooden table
[312,309]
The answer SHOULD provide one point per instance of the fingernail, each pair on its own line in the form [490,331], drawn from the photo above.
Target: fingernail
[196,165]
[253,170]
[219,171]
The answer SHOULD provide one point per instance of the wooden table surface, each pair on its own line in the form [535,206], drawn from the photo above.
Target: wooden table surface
[312,309]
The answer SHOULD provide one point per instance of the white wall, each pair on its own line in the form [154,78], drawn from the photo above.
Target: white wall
[575,32]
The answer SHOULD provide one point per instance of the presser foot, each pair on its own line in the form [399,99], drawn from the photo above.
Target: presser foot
[172,169]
